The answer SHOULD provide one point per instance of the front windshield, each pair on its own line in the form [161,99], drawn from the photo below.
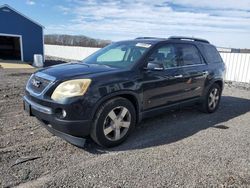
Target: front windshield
[120,54]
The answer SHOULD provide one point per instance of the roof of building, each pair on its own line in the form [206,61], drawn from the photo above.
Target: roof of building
[11,8]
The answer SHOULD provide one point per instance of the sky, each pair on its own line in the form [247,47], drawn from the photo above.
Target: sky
[225,23]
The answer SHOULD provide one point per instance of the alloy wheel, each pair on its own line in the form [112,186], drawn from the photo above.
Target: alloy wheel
[117,123]
[213,98]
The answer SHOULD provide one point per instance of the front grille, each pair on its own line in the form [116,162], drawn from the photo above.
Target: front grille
[37,84]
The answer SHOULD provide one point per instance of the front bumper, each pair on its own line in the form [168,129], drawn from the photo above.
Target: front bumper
[73,131]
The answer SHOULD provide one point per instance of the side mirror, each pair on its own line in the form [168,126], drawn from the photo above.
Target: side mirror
[155,66]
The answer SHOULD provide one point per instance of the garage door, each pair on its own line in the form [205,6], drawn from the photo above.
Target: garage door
[10,48]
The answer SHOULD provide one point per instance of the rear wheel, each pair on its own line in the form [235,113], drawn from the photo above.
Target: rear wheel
[212,99]
[114,121]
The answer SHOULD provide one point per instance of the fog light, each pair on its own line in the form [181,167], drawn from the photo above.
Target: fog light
[60,113]
[64,113]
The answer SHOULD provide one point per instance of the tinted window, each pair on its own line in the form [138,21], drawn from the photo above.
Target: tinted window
[188,55]
[165,55]
[211,53]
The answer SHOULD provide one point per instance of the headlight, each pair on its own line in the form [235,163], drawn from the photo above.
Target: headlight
[71,88]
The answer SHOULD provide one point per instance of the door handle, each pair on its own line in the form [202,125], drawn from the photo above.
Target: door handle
[178,76]
[205,72]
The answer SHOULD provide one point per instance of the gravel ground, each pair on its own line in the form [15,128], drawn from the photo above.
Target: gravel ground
[183,148]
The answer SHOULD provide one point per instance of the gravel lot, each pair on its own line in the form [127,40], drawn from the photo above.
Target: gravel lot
[184,148]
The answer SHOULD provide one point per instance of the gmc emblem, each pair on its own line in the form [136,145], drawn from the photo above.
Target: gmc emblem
[36,83]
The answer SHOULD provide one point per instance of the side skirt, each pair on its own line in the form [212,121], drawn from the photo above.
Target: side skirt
[163,109]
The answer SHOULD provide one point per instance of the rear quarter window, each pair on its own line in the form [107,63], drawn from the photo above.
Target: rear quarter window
[211,54]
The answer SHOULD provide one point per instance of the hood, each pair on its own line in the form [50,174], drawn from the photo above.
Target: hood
[74,69]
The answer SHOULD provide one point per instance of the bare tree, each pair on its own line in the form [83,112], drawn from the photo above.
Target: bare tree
[74,40]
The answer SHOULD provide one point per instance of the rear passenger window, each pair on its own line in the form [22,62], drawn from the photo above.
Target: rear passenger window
[211,53]
[188,55]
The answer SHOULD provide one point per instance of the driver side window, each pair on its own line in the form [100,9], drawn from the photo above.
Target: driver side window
[165,55]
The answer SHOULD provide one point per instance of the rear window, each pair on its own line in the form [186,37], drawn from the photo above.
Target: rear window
[212,55]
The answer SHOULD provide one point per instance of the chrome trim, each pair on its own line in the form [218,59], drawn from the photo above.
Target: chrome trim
[44,76]
[194,65]
[38,107]
[158,68]
[185,66]
[178,76]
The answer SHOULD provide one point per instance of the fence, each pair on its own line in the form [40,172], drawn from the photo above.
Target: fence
[238,64]
[69,52]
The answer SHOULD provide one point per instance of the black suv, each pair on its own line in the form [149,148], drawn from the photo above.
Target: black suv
[108,93]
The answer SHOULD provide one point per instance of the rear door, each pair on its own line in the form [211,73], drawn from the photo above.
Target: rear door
[194,70]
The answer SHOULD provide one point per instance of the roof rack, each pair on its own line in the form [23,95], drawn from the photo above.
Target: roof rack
[188,38]
[148,38]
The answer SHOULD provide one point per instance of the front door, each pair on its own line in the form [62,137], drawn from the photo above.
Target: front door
[162,86]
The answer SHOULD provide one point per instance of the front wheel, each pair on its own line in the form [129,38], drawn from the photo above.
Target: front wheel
[114,121]
[212,99]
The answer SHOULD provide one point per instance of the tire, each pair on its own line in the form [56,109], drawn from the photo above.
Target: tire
[212,96]
[114,121]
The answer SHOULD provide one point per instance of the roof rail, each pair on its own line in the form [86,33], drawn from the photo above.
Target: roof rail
[148,38]
[188,38]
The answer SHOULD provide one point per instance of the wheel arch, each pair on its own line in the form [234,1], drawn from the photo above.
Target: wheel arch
[209,83]
[219,82]
[129,95]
